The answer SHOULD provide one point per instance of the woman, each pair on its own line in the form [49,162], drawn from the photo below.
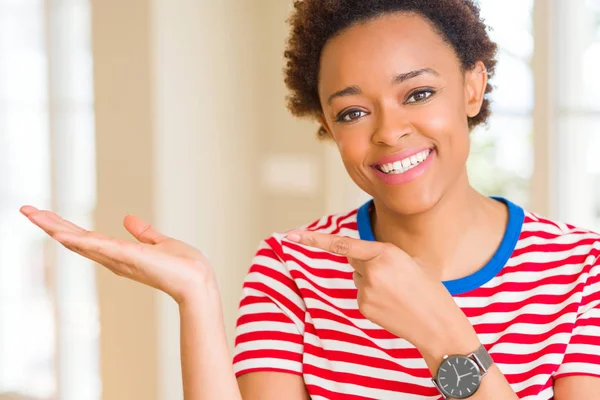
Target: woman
[431,289]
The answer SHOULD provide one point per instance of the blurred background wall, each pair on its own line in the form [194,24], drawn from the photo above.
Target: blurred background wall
[175,111]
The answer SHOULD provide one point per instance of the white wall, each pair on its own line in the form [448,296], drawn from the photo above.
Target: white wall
[190,111]
[207,141]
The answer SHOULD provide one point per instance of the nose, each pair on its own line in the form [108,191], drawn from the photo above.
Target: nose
[391,127]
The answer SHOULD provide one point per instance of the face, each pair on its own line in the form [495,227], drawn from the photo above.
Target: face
[395,101]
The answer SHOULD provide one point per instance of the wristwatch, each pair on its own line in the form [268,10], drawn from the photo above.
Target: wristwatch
[459,377]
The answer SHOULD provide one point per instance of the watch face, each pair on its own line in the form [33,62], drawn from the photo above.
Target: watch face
[458,377]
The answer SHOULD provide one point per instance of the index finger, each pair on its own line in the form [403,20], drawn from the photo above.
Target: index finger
[361,250]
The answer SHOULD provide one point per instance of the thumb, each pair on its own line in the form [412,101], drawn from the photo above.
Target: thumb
[142,230]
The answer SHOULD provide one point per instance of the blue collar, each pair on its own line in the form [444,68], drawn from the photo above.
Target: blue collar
[516,216]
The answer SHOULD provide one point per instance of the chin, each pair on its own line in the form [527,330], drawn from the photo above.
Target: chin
[408,202]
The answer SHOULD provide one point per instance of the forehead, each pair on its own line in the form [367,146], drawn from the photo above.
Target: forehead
[383,48]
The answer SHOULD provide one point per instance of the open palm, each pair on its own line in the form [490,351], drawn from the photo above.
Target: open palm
[164,263]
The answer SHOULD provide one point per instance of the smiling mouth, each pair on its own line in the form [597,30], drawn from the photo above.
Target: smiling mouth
[402,166]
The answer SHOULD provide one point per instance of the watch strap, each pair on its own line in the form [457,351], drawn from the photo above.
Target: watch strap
[483,359]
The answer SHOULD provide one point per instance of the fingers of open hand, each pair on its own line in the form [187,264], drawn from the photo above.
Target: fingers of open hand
[52,223]
[117,255]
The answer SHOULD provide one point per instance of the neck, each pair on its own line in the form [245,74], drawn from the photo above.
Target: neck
[454,238]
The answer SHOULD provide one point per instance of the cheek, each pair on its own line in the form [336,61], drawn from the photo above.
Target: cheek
[437,122]
[443,116]
[353,147]
[447,124]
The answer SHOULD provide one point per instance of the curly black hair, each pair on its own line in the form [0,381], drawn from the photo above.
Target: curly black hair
[314,22]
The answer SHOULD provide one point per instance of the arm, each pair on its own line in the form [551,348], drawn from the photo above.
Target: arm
[272,386]
[206,363]
[205,360]
[183,272]
[175,268]
[398,295]
[577,388]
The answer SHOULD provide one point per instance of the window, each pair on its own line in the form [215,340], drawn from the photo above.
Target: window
[48,323]
[26,359]
[501,161]
[578,59]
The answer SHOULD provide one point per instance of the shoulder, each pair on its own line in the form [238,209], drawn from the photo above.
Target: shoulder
[342,224]
[278,262]
[555,239]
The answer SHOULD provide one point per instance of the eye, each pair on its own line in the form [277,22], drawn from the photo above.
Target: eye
[420,96]
[351,115]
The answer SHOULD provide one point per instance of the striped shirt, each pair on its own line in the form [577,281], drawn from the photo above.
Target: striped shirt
[535,307]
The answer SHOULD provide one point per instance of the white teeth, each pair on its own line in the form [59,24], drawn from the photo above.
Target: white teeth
[399,167]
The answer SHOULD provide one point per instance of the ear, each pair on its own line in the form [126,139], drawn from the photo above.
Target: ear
[475,84]
[325,127]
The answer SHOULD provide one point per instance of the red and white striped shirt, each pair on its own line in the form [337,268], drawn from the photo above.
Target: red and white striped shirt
[535,306]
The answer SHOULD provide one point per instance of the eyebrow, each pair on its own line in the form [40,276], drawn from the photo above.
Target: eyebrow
[354,90]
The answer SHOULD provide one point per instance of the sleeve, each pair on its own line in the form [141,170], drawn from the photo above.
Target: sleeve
[270,325]
[582,356]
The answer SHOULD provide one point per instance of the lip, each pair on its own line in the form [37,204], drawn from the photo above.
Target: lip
[401,155]
[410,175]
